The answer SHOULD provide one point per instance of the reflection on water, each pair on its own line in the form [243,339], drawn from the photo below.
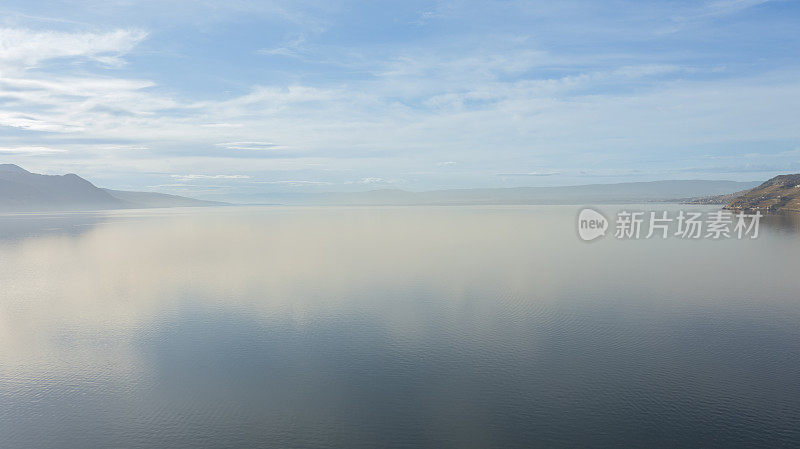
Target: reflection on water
[388,327]
[22,226]
[788,222]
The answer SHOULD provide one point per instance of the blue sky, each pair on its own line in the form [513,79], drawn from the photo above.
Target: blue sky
[239,100]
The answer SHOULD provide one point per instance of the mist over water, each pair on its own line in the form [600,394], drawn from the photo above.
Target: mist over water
[392,327]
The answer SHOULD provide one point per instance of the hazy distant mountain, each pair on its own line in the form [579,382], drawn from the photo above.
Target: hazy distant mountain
[779,193]
[152,199]
[21,190]
[632,192]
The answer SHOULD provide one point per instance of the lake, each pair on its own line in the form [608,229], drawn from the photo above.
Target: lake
[492,326]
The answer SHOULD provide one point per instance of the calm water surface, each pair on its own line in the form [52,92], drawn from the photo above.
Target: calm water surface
[392,327]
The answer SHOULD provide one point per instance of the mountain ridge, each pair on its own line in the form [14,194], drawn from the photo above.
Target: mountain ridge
[781,193]
[633,192]
[21,190]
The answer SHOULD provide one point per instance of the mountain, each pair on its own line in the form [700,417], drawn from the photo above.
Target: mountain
[152,199]
[632,192]
[781,193]
[716,199]
[21,190]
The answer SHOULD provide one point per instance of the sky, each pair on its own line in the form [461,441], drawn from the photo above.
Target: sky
[241,100]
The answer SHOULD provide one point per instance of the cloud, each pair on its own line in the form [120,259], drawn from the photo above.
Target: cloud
[50,100]
[725,7]
[295,183]
[533,173]
[34,123]
[72,104]
[222,125]
[190,177]
[124,147]
[709,11]
[293,48]
[565,85]
[23,48]
[374,181]
[30,150]
[250,146]
[441,10]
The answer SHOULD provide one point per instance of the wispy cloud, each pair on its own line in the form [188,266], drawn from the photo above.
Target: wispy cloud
[292,48]
[296,183]
[526,174]
[250,146]
[724,7]
[31,150]
[373,181]
[23,48]
[563,85]
[708,11]
[191,177]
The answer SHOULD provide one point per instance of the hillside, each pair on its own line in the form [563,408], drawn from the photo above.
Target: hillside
[153,199]
[26,191]
[716,199]
[23,191]
[781,193]
[630,192]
